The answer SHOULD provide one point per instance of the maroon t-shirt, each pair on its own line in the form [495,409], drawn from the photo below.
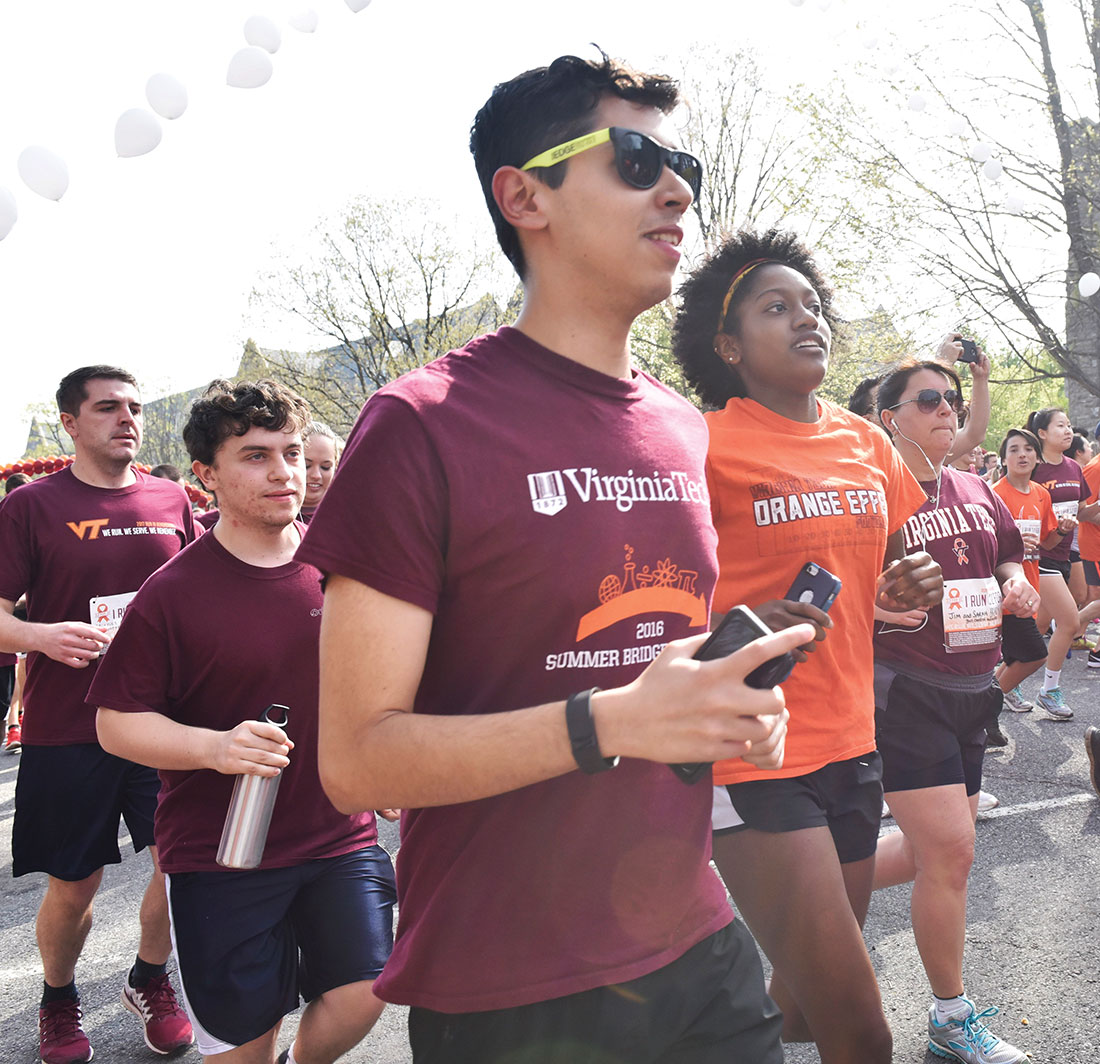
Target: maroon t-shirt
[211,641]
[1068,487]
[969,533]
[77,552]
[208,518]
[555,520]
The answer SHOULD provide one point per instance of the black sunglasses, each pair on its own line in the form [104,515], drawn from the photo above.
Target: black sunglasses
[638,158]
[928,400]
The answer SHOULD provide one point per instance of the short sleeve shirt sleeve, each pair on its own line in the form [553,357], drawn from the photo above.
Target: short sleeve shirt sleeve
[384,519]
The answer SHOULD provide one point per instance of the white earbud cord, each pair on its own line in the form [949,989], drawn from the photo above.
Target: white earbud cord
[938,470]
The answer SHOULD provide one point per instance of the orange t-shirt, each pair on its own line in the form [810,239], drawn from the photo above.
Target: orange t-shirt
[1088,534]
[1033,506]
[784,493]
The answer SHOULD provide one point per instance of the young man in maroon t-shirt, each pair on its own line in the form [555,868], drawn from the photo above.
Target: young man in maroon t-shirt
[226,629]
[512,528]
[79,543]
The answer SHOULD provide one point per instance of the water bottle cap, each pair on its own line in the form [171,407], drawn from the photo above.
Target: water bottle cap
[274,712]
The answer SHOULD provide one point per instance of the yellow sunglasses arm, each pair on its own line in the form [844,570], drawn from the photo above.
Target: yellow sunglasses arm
[571,147]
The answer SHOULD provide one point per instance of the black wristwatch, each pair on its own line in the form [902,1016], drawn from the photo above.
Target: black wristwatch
[582,734]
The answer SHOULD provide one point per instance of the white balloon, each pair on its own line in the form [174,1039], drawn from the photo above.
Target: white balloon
[870,41]
[981,153]
[797,3]
[993,169]
[957,126]
[43,172]
[9,213]
[263,33]
[917,102]
[891,66]
[1015,204]
[137,132]
[250,68]
[1089,284]
[824,5]
[166,95]
[304,21]
[357,5]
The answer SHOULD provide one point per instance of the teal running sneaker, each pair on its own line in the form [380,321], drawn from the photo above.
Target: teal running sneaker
[1053,703]
[967,1038]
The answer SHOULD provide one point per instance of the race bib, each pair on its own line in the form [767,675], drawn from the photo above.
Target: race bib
[106,611]
[1034,527]
[971,615]
[1065,509]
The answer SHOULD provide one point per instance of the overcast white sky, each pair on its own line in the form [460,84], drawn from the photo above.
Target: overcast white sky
[148,262]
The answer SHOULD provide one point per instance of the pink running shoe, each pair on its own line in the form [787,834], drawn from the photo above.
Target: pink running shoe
[61,1039]
[167,1027]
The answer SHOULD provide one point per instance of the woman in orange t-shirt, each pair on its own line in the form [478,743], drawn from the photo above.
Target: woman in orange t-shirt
[796,479]
[1022,648]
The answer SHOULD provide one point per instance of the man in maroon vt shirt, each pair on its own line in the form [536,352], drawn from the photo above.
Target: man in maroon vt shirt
[182,690]
[79,543]
[511,529]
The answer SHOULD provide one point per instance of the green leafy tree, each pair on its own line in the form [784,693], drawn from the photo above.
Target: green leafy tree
[389,286]
[1002,191]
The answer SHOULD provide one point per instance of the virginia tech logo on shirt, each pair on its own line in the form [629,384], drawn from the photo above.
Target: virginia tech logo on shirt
[87,528]
[550,490]
[97,529]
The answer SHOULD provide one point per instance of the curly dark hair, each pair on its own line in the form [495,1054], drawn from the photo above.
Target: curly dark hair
[547,106]
[226,409]
[702,295]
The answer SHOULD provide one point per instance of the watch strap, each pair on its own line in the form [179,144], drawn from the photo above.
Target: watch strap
[582,734]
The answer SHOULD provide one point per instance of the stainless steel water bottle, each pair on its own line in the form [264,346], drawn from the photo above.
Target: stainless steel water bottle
[245,833]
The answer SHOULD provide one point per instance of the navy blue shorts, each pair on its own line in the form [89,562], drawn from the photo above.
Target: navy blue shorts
[68,802]
[929,736]
[248,943]
[707,1007]
[845,797]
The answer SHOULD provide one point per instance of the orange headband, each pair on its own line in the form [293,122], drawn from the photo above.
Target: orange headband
[738,277]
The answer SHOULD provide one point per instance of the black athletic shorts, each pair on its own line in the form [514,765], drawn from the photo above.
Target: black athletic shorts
[1052,567]
[929,736]
[707,1007]
[845,797]
[1092,572]
[68,801]
[1020,640]
[7,686]
[249,942]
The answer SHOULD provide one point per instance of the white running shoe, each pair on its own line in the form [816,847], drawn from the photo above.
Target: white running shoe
[968,1039]
[1015,701]
[987,801]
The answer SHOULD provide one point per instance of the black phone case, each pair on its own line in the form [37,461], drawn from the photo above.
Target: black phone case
[738,628]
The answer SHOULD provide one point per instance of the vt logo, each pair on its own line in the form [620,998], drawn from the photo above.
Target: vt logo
[91,527]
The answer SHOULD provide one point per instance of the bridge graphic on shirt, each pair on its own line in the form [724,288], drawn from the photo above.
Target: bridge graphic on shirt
[662,588]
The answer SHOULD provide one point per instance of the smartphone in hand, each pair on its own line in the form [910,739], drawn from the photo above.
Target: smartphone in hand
[814,585]
[739,627]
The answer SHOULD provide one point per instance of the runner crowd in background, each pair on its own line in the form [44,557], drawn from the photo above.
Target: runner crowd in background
[495,627]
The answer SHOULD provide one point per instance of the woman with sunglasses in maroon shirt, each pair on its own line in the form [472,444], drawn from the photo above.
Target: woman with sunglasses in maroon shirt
[934,694]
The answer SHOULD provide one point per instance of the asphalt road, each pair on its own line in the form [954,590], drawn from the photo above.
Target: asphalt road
[1033,941]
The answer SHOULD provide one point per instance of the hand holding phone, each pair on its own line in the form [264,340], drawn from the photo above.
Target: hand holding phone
[969,351]
[738,628]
